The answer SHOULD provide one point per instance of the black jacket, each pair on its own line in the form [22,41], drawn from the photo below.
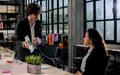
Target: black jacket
[22,29]
[95,63]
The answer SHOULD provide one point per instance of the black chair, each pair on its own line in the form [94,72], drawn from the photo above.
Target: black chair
[106,64]
[46,58]
[51,52]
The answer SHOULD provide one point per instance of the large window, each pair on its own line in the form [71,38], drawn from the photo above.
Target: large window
[54,15]
[104,15]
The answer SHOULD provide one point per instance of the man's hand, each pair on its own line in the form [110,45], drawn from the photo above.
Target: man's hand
[78,73]
[25,45]
[36,41]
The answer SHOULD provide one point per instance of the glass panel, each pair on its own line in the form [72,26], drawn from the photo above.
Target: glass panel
[50,13]
[60,3]
[50,5]
[27,1]
[89,25]
[47,5]
[43,18]
[118,8]
[118,31]
[32,0]
[55,16]
[65,2]
[55,28]
[60,15]
[39,3]
[50,28]
[61,28]
[55,3]
[108,9]
[65,14]
[89,11]
[88,0]
[66,28]
[43,29]
[47,18]
[43,5]
[109,30]
[99,10]
[100,27]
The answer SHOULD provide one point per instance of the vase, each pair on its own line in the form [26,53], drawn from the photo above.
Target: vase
[34,69]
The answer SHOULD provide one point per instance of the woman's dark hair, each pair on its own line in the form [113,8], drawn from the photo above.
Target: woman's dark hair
[32,8]
[96,38]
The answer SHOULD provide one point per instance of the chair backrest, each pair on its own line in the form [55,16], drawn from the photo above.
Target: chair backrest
[50,50]
[107,63]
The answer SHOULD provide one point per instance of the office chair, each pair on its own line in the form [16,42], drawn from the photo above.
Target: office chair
[106,64]
[51,52]
[46,58]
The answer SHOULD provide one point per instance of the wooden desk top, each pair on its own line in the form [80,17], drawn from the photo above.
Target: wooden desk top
[20,68]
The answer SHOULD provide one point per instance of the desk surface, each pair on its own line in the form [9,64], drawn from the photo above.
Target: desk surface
[20,68]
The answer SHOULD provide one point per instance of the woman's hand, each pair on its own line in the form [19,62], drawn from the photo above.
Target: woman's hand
[78,73]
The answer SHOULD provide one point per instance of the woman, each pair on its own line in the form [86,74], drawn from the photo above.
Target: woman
[30,27]
[93,63]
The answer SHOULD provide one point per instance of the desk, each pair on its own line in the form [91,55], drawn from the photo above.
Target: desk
[22,68]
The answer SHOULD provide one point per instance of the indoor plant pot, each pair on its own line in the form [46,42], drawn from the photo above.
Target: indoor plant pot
[34,64]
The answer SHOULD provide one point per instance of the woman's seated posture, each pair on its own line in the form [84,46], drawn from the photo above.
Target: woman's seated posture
[93,63]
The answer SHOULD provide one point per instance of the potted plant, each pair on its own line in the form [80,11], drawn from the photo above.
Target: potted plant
[34,63]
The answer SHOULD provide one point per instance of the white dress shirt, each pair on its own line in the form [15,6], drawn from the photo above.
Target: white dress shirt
[84,59]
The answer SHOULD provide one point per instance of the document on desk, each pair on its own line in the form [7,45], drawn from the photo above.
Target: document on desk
[27,39]
[43,66]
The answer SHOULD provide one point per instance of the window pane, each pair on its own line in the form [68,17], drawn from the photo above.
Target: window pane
[66,28]
[43,18]
[39,3]
[50,13]
[99,10]
[109,27]
[60,28]
[27,1]
[100,27]
[32,0]
[118,31]
[50,28]
[43,29]
[65,2]
[89,11]
[55,3]
[65,14]
[50,5]
[43,5]
[55,28]
[55,16]
[108,9]
[60,3]
[60,15]
[88,0]
[118,8]
[47,18]
[89,25]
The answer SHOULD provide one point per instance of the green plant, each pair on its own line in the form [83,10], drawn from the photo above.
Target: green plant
[34,59]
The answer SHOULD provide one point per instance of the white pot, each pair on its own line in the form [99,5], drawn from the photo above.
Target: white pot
[34,69]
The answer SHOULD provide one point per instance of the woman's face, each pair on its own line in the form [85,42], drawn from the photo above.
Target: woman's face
[87,40]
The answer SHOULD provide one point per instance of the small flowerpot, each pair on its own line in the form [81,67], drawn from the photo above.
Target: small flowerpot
[34,69]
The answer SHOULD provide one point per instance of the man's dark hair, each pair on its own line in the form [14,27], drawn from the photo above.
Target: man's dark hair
[32,8]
